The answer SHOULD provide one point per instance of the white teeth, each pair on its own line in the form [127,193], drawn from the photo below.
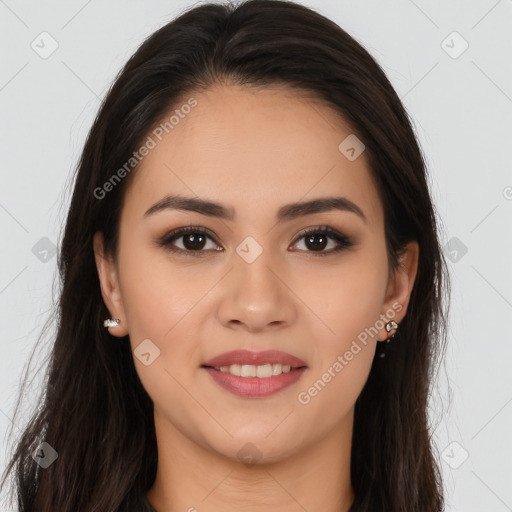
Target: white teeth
[264,370]
[261,371]
[247,370]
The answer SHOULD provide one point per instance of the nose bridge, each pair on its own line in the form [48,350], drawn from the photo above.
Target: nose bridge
[255,268]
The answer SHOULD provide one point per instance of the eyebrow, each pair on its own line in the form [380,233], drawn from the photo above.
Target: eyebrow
[287,212]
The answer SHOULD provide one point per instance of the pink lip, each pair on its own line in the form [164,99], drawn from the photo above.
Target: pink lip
[255,358]
[255,387]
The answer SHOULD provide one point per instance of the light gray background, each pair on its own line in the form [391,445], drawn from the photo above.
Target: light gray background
[462,110]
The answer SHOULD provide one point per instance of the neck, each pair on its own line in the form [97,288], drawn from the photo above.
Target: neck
[192,478]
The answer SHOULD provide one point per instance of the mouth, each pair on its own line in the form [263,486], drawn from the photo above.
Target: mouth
[252,374]
[250,381]
[263,371]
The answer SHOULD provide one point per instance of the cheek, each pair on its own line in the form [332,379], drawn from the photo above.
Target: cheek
[346,298]
[161,306]
[156,294]
[345,357]
[349,303]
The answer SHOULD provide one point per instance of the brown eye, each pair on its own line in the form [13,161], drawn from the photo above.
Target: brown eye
[316,240]
[192,240]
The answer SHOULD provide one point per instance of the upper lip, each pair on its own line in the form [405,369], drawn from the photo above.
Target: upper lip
[254,358]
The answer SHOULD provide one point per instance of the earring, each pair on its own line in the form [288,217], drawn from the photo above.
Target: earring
[111,322]
[391,328]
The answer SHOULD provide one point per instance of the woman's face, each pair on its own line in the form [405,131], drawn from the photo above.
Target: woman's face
[253,281]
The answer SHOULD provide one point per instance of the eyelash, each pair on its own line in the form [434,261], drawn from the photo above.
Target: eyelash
[344,242]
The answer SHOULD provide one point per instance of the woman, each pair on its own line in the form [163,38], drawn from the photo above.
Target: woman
[252,284]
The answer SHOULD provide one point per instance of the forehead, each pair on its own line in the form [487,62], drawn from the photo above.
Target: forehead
[246,147]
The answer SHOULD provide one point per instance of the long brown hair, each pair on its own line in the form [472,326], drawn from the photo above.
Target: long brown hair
[93,409]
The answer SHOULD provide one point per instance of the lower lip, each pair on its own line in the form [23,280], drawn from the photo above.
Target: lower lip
[255,387]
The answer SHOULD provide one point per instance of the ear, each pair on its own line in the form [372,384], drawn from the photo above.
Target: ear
[109,282]
[400,285]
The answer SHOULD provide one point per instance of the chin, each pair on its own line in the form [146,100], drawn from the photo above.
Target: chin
[256,449]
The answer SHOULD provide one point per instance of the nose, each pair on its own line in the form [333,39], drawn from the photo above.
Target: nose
[256,297]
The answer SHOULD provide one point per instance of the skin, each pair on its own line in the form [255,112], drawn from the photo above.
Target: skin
[253,150]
